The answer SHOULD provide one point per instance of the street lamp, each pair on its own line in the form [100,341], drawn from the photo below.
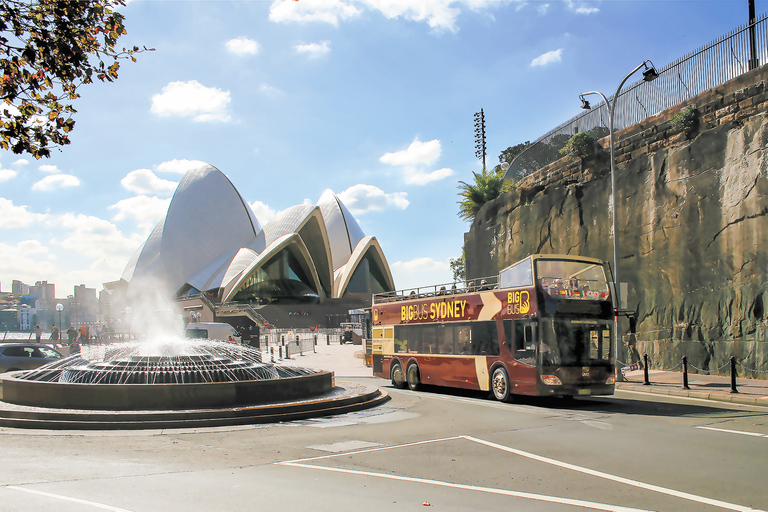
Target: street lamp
[59,308]
[649,74]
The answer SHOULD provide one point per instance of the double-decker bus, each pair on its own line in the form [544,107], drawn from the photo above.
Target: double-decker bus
[542,327]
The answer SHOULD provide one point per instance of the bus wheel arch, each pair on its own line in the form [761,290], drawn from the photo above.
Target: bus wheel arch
[500,384]
[413,376]
[397,375]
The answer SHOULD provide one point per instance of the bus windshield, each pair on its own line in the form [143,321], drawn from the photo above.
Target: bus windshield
[575,342]
[572,279]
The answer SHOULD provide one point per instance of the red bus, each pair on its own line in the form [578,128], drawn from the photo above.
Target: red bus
[542,327]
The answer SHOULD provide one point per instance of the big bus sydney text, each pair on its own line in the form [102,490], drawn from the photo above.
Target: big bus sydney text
[542,327]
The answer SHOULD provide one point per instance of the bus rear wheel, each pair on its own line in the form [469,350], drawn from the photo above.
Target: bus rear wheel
[500,385]
[397,375]
[412,375]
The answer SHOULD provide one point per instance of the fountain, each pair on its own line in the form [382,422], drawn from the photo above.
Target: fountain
[171,382]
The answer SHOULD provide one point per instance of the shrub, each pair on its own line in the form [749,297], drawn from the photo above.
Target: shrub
[581,145]
[687,120]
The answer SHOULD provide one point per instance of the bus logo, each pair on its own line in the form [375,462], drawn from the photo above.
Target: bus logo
[518,303]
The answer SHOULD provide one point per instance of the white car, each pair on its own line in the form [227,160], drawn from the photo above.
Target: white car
[25,356]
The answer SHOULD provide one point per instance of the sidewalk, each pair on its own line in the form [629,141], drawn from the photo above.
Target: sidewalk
[705,387]
[345,360]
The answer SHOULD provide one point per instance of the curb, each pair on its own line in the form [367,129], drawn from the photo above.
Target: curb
[59,419]
[736,398]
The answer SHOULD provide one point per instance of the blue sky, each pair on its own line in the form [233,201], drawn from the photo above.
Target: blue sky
[373,99]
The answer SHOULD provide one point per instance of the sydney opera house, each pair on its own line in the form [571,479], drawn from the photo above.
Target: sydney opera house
[211,249]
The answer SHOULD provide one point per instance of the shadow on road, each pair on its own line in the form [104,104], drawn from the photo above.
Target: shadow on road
[652,405]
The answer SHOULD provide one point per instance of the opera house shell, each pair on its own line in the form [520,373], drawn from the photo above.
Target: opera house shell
[211,243]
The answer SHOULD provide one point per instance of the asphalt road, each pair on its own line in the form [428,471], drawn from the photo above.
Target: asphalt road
[428,450]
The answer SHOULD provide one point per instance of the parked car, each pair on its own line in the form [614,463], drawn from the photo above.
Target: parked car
[25,356]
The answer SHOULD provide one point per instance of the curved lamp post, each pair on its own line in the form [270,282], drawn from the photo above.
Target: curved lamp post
[649,74]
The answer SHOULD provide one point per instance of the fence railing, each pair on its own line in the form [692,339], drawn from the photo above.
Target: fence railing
[709,66]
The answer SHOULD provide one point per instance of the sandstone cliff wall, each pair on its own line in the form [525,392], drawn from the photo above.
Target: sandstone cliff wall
[692,226]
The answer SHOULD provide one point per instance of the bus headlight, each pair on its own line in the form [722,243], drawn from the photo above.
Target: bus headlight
[551,380]
[610,380]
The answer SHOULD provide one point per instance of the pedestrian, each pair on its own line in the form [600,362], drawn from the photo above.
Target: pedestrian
[54,334]
[71,334]
[633,356]
[38,333]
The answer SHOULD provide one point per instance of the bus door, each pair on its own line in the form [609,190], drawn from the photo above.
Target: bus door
[521,336]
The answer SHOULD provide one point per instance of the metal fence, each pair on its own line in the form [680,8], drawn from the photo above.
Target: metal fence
[709,66]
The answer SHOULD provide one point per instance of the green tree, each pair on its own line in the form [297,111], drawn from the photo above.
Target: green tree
[488,186]
[458,267]
[48,49]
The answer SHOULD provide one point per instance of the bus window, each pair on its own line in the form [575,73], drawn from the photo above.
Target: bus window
[521,340]
[575,342]
[428,338]
[446,335]
[464,339]
[485,341]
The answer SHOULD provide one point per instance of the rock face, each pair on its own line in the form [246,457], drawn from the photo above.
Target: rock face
[692,214]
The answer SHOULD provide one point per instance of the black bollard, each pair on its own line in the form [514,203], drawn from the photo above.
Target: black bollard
[647,381]
[733,375]
[314,346]
[272,351]
[685,373]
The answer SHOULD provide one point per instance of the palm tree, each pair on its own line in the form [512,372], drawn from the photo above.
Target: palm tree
[488,186]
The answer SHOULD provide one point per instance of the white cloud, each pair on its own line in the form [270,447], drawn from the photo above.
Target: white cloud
[314,50]
[326,11]
[242,46]
[144,181]
[94,237]
[418,153]
[262,211]
[146,211]
[180,166]
[27,261]
[7,174]
[548,58]
[415,159]
[422,178]
[421,272]
[21,161]
[17,216]
[192,99]
[50,169]
[438,14]
[580,8]
[271,92]
[364,198]
[56,181]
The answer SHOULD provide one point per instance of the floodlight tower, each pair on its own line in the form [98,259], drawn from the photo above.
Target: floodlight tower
[480,136]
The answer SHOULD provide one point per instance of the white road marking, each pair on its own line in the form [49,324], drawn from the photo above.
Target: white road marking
[753,434]
[565,465]
[619,479]
[68,498]
[490,490]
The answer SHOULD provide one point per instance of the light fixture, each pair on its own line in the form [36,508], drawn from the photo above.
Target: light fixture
[650,74]
[584,103]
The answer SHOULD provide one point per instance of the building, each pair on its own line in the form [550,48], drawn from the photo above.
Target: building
[211,245]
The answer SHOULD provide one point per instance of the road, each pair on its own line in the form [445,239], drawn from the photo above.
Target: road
[430,450]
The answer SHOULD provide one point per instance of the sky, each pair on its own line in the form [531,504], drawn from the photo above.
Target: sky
[373,99]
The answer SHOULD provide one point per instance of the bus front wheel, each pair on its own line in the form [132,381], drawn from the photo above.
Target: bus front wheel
[397,376]
[500,384]
[412,376]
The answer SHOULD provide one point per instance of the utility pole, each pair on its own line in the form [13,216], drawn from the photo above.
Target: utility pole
[752,44]
[480,136]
